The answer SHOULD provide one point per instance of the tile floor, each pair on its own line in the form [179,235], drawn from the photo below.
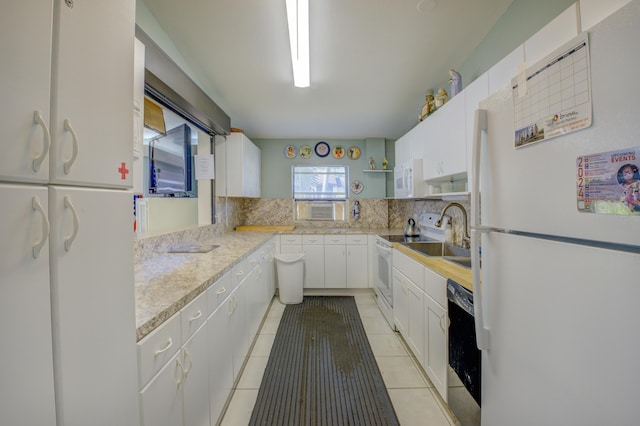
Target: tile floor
[411,392]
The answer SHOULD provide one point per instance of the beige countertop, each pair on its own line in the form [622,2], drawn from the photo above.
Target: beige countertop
[166,283]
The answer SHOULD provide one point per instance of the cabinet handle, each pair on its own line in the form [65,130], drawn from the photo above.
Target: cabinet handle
[37,119]
[196,316]
[187,357]
[74,153]
[35,204]
[76,224]
[444,319]
[166,347]
[221,291]
[180,378]
[239,273]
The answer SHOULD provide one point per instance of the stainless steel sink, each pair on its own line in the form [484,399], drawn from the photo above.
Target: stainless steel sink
[437,248]
[459,255]
[463,261]
[193,248]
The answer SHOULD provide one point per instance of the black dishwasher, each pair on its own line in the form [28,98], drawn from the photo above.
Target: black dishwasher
[464,356]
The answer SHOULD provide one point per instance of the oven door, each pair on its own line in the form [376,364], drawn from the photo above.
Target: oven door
[383,277]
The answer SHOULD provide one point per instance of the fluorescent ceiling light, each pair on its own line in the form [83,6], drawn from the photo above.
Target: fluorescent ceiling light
[298,17]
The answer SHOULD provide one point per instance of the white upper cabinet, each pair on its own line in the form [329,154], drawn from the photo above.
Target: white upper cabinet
[553,35]
[445,152]
[92,93]
[594,11]
[25,45]
[237,166]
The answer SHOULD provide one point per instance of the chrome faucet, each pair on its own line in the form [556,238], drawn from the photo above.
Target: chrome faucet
[466,239]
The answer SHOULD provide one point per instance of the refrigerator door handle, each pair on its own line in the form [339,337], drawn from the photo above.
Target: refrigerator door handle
[482,331]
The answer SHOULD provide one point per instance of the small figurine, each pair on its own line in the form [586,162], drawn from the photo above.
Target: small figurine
[372,164]
[429,105]
[441,98]
[384,163]
[455,82]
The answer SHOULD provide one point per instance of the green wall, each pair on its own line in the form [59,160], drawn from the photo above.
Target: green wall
[521,20]
[276,167]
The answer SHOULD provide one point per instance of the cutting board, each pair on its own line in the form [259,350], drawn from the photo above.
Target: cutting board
[266,228]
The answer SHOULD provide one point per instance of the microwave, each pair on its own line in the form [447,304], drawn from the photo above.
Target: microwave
[408,181]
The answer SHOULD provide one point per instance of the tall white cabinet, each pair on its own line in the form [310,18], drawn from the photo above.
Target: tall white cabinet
[237,164]
[67,317]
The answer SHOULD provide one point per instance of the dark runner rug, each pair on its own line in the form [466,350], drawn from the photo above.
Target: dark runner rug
[321,370]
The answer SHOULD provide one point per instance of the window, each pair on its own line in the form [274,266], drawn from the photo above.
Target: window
[319,182]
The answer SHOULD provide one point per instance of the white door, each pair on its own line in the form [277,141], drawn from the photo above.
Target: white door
[220,359]
[313,265]
[400,302]
[555,311]
[436,348]
[335,266]
[161,402]
[357,266]
[92,86]
[26,393]
[195,360]
[416,309]
[92,287]
[25,48]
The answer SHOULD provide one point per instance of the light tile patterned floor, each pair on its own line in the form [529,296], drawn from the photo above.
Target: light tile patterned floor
[412,394]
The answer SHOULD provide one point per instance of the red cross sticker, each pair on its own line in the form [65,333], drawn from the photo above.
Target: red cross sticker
[123,171]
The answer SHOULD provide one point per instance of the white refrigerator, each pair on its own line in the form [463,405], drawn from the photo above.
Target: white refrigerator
[556,286]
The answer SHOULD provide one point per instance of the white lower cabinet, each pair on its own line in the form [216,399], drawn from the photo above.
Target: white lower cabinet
[196,379]
[220,359]
[187,366]
[420,315]
[161,399]
[313,249]
[416,337]
[357,261]
[436,345]
[335,261]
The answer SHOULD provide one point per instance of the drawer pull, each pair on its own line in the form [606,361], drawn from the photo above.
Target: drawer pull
[221,291]
[166,348]
[196,316]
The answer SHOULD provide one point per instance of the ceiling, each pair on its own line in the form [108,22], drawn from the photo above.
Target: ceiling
[371,60]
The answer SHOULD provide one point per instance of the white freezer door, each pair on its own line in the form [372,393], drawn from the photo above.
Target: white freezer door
[93,307]
[533,188]
[563,323]
[26,367]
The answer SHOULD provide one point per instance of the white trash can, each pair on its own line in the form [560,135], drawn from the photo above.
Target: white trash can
[290,269]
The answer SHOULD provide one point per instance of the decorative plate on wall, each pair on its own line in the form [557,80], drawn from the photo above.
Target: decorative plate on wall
[322,149]
[290,151]
[306,151]
[356,187]
[338,152]
[353,152]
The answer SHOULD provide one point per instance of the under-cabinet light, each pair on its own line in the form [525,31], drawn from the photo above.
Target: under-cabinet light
[298,17]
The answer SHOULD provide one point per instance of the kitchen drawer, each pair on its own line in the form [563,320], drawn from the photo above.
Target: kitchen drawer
[335,239]
[312,239]
[239,273]
[435,285]
[157,348]
[218,292]
[290,239]
[254,258]
[409,267]
[357,239]
[193,315]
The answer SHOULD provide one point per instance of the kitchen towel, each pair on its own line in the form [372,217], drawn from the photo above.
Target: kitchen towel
[321,370]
